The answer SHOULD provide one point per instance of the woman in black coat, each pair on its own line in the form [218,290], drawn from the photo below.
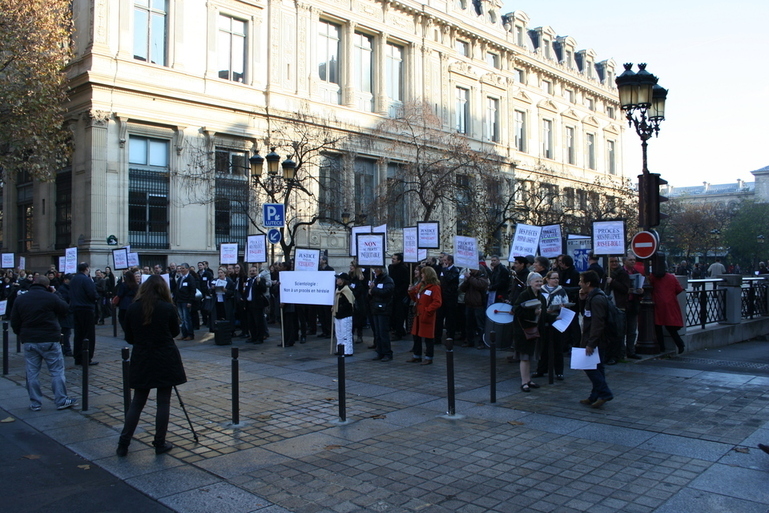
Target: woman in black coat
[151,325]
[528,313]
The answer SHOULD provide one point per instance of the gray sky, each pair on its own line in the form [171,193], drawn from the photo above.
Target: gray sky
[712,56]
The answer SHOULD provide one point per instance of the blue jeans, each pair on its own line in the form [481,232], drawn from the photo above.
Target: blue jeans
[381,327]
[598,378]
[185,315]
[34,354]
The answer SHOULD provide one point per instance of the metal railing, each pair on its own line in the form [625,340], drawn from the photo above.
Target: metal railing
[753,297]
[705,306]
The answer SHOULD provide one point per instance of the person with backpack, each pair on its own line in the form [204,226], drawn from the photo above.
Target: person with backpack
[594,306]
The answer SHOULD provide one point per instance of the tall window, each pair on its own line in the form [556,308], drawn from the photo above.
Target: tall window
[491,125]
[547,87]
[610,112]
[519,35]
[590,103]
[231,201]
[394,72]
[465,212]
[397,211]
[331,187]
[25,221]
[150,31]
[569,95]
[591,151]
[365,184]
[232,48]
[463,109]
[148,176]
[328,58]
[462,47]
[611,157]
[571,151]
[363,71]
[547,138]
[63,209]
[520,75]
[492,59]
[520,130]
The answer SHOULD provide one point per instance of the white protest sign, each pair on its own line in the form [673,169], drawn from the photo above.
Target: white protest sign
[578,247]
[62,264]
[3,306]
[256,249]
[525,241]
[550,244]
[120,258]
[429,235]
[422,255]
[609,237]
[354,237]
[133,259]
[410,248]
[307,259]
[22,262]
[8,260]
[371,249]
[466,252]
[228,253]
[307,287]
[70,254]
[382,228]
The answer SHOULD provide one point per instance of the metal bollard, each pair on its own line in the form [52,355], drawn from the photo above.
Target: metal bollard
[84,361]
[5,347]
[125,352]
[342,384]
[493,369]
[18,339]
[235,387]
[449,345]
[114,319]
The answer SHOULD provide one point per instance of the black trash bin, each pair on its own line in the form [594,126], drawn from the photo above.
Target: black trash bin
[223,333]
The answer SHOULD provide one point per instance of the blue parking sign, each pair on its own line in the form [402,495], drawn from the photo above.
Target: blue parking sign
[273,236]
[273,215]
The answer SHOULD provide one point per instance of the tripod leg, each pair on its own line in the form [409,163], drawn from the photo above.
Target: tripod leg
[181,403]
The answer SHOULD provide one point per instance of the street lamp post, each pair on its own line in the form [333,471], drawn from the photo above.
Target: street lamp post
[643,102]
[273,184]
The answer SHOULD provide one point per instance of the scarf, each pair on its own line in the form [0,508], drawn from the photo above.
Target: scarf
[347,294]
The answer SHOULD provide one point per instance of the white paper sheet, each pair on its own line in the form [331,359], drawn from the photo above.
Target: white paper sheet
[581,361]
[564,319]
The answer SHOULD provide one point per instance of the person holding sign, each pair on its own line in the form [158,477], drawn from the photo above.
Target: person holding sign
[427,298]
[594,305]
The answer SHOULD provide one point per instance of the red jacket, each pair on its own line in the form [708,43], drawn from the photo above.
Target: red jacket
[665,290]
[427,304]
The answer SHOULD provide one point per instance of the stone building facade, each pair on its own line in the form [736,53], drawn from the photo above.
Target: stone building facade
[157,85]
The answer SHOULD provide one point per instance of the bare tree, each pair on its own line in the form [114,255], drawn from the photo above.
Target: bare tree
[305,149]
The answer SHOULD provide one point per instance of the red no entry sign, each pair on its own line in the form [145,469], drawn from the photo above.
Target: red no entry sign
[644,244]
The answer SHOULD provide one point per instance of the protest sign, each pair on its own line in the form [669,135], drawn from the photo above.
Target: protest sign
[228,253]
[120,258]
[525,241]
[429,235]
[306,259]
[466,252]
[410,248]
[256,249]
[307,287]
[550,244]
[609,237]
[354,238]
[371,249]
[8,260]
[579,247]
[71,264]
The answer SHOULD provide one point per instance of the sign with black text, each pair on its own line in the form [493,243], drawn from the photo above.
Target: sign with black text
[371,249]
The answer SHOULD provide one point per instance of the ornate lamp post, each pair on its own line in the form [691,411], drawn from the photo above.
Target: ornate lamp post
[643,102]
[273,184]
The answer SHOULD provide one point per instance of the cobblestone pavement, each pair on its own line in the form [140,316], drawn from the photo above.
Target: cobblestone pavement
[679,436]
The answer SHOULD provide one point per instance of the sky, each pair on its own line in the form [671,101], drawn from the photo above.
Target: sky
[712,58]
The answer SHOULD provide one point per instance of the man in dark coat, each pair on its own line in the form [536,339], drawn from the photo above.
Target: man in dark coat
[256,302]
[82,304]
[475,286]
[184,296]
[499,282]
[594,306]
[399,272]
[519,277]
[35,320]
[381,292]
[619,287]
[447,313]
[570,283]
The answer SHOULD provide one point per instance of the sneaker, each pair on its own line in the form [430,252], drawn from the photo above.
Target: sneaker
[67,404]
[34,408]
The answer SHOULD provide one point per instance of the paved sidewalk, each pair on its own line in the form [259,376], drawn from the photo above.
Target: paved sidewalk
[680,435]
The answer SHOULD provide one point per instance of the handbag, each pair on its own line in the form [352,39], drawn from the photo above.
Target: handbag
[531,333]
[198,294]
[115,300]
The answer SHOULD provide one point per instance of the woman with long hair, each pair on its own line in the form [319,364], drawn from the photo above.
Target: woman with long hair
[126,291]
[151,325]
[527,312]
[359,287]
[427,296]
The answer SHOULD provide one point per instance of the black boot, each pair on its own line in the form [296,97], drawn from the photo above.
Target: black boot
[162,447]
[122,449]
